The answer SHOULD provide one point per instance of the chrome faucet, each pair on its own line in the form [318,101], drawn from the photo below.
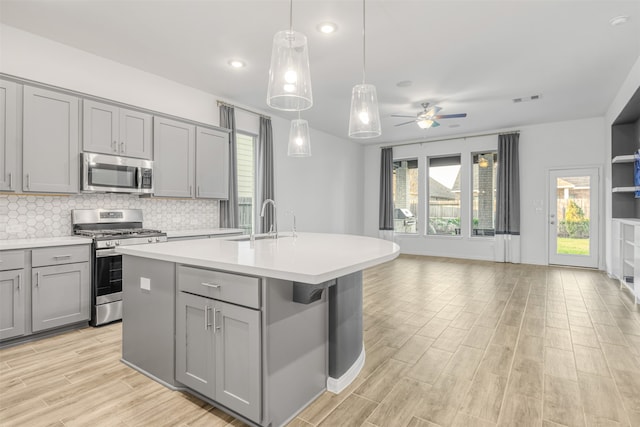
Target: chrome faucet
[274,224]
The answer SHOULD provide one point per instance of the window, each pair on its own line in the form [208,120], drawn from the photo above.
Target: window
[484,193]
[405,196]
[245,145]
[444,195]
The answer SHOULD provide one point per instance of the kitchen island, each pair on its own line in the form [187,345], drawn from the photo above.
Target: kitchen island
[258,327]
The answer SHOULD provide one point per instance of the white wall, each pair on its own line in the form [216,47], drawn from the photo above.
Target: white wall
[568,144]
[324,190]
[626,91]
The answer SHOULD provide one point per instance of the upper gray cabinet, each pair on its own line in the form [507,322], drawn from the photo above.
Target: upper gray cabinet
[8,135]
[174,146]
[112,130]
[50,141]
[190,161]
[212,163]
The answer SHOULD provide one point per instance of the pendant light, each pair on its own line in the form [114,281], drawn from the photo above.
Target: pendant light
[289,76]
[299,140]
[364,120]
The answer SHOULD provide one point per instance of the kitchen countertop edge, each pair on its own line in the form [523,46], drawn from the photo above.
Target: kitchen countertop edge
[43,242]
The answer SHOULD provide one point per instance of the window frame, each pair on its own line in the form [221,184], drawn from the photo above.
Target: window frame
[256,210]
[417,214]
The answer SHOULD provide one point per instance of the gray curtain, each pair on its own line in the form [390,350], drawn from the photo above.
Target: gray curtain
[229,208]
[265,173]
[508,185]
[385,212]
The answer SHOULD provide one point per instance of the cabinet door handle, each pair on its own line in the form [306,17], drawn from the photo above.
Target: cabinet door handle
[114,146]
[206,317]
[18,279]
[37,279]
[198,190]
[10,180]
[211,285]
[190,190]
[216,324]
[122,148]
[28,181]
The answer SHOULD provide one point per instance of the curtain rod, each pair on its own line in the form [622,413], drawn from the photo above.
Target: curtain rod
[243,109]
[450,139]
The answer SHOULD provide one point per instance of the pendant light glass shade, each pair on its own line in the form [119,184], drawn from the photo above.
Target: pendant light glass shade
[364,120]
[299,141]
[289,76]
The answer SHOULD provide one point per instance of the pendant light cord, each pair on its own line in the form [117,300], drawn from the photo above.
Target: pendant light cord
[364,45]
[291,15]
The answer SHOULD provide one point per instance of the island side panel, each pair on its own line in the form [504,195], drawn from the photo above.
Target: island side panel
[296,351]
[345,323]
[149,317]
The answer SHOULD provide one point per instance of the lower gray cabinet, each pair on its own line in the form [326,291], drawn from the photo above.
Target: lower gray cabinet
[218,352]
[195,344]
[12,304]
[59,295]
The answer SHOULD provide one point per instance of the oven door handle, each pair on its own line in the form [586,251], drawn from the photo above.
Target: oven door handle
[102,253]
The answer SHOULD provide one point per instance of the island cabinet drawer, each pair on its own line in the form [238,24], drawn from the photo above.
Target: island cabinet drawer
[59,255]
[11,260]
[233,288]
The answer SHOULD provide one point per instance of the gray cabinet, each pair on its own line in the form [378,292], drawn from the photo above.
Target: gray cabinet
[118,131]
[212,163]
[8,135]
[12,294]
[59,295]
[60,286]
[50,141]
[218,344]
[174,154]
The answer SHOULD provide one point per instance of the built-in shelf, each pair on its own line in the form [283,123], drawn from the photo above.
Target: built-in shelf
[624,159]
[625,189]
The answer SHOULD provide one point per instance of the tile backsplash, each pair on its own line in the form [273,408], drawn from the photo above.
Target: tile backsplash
[26,216]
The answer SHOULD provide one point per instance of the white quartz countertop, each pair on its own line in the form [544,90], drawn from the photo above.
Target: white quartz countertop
[203,232]
[309,258]
[43,242]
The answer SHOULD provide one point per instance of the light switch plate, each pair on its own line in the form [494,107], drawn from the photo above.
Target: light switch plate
[145,284]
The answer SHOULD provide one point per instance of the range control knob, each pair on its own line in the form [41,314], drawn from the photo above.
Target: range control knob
[117,242]
[108,243]
[150,240]
[157,239]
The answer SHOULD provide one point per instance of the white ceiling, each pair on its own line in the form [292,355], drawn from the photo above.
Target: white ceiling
[465,56]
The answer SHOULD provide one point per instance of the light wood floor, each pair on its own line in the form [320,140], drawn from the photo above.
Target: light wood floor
[448,343]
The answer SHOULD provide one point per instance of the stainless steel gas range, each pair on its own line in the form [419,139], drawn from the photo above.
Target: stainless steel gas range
[108,229]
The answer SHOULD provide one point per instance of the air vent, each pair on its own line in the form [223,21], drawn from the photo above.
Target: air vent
[526,99]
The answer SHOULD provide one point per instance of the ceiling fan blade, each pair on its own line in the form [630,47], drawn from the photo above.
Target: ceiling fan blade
[450,116]
[405,123]
[402,115]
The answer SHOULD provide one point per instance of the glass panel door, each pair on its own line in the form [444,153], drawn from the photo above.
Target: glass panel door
[573,217]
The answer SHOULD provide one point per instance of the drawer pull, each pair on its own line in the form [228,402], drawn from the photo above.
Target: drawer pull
[61,256]
[211,285]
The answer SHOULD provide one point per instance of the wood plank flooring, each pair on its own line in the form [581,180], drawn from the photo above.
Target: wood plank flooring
[448,343]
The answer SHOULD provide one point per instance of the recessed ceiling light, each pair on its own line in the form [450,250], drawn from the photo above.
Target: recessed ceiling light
[618,20]
[404,83]
[236,63]
[327,27]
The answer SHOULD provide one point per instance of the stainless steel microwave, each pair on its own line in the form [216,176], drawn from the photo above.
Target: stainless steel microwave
[115,174]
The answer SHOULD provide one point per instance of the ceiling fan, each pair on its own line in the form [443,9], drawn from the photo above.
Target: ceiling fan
[427,118]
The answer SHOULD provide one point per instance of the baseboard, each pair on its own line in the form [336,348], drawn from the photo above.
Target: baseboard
[336,385]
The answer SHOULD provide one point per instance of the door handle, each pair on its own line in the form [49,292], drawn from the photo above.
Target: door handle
[18,279]
[198,191]
[37,279]
[10,180]
[114,146]
[28,182]
[122,148]
[216,324]
[206,317]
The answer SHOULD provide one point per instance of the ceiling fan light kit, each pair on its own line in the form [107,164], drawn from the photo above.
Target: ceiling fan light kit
[289,75]
[364,119]
[427,118]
